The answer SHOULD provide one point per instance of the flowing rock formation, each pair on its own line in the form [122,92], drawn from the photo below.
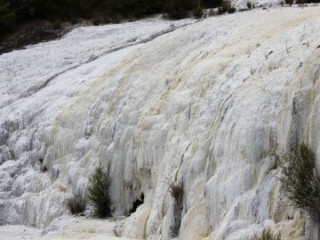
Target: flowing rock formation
[210,108]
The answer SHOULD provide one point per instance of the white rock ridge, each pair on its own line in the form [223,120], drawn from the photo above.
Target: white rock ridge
[211,107]
[65,228]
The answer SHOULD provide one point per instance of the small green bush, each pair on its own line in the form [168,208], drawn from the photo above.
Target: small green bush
[303,2]
[289,2]
[98,192]
[267,234]
[300,181]
[178,9]
[211,3]
[227,7]
[197,12]
[250,5]
[76,204]
[7,17]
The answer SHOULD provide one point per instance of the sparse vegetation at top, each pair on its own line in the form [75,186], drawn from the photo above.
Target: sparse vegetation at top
[289,2]
[13,12]
[198,12]
[227,6]
[300,180]
[303,2]
[7,15]
[250,5]
[25,22]
[98,192]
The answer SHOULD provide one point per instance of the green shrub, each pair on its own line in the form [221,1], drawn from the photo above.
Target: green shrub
[76,204]
[178,9]
[267,234]
[98,192]
[250,5]
[300,181]
[289,2]
[7,17]
[211,3]
[303,2]
[227,7]
[197,12]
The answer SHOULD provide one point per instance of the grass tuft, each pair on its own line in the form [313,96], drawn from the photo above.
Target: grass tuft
[76,204]
[267,234]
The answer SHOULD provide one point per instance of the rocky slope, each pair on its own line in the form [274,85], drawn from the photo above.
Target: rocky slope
[211,107]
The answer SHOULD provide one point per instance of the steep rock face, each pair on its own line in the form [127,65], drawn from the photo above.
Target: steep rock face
[211,107]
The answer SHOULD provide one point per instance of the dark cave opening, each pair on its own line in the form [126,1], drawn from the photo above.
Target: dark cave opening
[137,203]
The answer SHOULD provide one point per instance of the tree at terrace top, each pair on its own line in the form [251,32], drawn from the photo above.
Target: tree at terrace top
[7,16]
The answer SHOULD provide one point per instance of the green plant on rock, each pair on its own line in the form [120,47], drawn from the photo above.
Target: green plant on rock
[300,181]
[227,6]
[289,2]
[98,192]
[250,5]
[267,234]
[178,9]
[197,12]
[7,16]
